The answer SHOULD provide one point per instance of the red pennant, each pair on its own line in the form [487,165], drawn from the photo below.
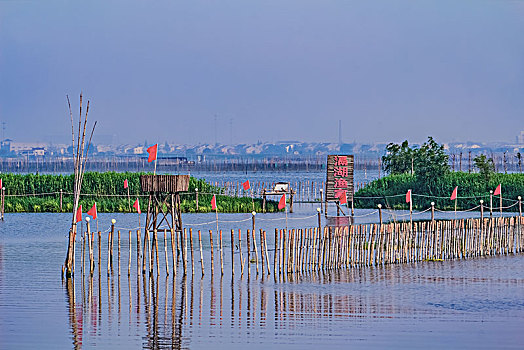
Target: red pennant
[342,197]
[454,194]
[92,211]
[136,205]
[408,196]
[79,214]
[0,183]
[498,190]
[246,185]
[213,203]
[126,185]
[152,153]
[282,202]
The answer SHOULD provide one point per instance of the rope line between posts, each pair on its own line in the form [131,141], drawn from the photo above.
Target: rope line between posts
[368,214]
[202,223]
[233,221]
[421,212]
[458,211]
[128,229]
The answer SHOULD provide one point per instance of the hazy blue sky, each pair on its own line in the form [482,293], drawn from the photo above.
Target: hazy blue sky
[161,70]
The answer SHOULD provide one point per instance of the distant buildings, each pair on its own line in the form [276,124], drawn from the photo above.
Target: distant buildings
[202,152]
[520,138]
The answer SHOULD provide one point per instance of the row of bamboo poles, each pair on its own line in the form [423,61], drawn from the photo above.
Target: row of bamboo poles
[377,245]
[306,191]
[310,249]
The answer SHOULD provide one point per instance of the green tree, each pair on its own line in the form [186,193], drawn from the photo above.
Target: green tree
[427,163]
[485,165]
[430,162]
[398,158]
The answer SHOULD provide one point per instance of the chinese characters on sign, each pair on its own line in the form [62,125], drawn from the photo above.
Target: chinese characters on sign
[339,177]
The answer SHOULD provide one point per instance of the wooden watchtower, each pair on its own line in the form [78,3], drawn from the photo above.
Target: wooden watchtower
[164,200]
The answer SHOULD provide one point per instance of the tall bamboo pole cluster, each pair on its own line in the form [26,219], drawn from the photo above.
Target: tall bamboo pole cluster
[80,155]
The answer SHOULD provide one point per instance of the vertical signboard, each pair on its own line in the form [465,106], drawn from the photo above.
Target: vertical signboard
[339,177]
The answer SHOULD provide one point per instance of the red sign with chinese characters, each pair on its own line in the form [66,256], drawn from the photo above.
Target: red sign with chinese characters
[339,177]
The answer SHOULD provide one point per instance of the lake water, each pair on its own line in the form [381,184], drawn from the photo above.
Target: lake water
[477,303]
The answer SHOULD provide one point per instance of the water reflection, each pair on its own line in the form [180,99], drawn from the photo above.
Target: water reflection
[178,311]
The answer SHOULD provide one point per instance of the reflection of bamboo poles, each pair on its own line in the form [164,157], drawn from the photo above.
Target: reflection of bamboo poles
[76,331]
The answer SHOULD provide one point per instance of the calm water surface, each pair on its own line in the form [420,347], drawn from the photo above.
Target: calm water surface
[477,303]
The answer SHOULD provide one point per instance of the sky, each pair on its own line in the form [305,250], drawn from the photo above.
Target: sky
[193,72]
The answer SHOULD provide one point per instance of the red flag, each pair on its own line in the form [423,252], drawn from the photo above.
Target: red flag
[79,214]
[454,194]
[214,203]
[498,190]
[92,211]
[0,183]
[282,202]
[136,205]
[152,153]
[246,185]
[342,197]
[408,196]
[126,185]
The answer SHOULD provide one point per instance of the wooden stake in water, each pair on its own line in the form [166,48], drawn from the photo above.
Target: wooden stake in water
[191,247]
[138,253]
[267,255]
[262,251]
[145,252]
[248,253]
[232,253]
[90,243]
[129,262]
[276,252]
[184,233]
[172,232]
[255,240]
[490,203]
[111,234]
[201,255]
[165,251]
[196,198]
[240,253]
[109,247]
[118,252]
[221,255]
[212,254]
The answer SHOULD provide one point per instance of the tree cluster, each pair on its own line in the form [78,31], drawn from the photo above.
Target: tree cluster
[427,163]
